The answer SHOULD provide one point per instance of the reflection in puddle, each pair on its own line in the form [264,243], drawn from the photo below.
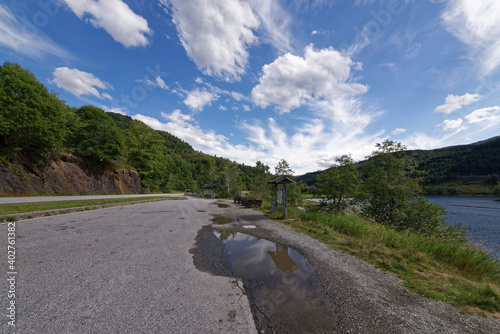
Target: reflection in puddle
[280,283]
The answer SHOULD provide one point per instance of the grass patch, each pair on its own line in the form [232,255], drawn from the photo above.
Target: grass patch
[447,270]
[42,206]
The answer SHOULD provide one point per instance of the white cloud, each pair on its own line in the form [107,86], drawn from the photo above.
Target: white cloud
[491,114]
[275,21]
[452,124]
[114,16]
[197,99]
[23,37]
[180,126]
[455,102]
[215,34]
[158,82]
[115,110]
[291,81]
[398,131]
[80,83]
[475,23]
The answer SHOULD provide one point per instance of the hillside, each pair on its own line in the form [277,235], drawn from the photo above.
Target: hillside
[464,169]
[38,131]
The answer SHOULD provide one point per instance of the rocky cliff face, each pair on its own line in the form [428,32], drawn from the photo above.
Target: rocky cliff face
[69,175]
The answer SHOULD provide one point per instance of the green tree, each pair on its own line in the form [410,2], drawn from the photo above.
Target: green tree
[32,119]
[339,184]
[283,168]
[393,191]
[228,179]
[260,186]
[145,152]
[98,137]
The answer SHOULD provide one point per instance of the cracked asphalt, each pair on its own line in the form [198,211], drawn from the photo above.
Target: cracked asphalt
[120,270]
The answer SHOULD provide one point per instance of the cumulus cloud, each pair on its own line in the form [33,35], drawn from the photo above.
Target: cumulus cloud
[115,17]
[455,102]
[215,34]
[80,83]
[475,23]
[197,99]
[491,114]
[23,37]
[452,124]
[398,131]
[291,81]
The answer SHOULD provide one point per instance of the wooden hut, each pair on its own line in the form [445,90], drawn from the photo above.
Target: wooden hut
[281,194]
[209,190]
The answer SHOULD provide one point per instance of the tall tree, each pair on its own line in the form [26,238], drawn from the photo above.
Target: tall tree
[32,119]
[283,168]
[260,186]
[393,191]
[339,184]
[98,136]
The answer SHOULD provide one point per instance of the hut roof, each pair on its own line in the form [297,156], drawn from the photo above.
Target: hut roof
[282,180]
[209,185]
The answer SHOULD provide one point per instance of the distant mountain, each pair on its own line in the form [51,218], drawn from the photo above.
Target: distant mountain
[474,161]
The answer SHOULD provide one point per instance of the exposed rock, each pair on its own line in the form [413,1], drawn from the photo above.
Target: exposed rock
[69,175]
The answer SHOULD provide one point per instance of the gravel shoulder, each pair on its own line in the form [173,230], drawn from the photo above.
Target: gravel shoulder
[364,298]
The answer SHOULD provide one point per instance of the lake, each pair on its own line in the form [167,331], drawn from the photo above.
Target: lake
[480,214]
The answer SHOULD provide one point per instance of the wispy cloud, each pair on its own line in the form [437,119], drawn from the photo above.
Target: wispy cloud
[475,23]
[23,37]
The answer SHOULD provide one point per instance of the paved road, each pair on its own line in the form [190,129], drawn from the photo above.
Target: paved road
[20,200]
[119,270]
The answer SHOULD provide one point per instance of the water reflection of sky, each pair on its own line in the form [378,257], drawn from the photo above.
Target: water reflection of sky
[291,296]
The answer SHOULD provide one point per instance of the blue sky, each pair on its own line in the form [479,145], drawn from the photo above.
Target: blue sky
[250,80]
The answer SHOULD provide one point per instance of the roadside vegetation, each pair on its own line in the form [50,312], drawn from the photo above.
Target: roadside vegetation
[378,214]
[9,209]
[438,267]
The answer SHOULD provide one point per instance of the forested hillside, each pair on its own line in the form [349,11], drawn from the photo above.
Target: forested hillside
[465,164]
[37,126]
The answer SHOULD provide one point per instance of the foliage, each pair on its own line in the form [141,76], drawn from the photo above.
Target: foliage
[260,188]
[392,182]
[451,270]
[283,168]
[339,184]
[97,137]
[144,152]
[32,119]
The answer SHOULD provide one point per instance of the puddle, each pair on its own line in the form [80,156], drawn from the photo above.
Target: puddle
[223,205]
[222,220]
[281,284]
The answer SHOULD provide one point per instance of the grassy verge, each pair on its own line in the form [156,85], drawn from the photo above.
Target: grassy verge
[457,273]
[462,188]
[9,209]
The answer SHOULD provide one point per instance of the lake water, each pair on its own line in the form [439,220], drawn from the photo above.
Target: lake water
[480,214]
